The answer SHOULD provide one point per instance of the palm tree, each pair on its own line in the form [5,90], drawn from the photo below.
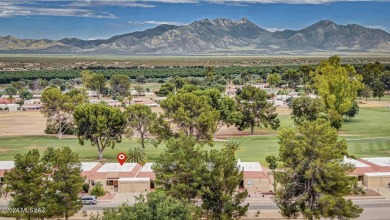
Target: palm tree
[136,155]
[233,145]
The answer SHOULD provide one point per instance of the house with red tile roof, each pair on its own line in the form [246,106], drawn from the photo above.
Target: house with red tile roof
[111,175]
[5,101]
[360,168]
[255,177]
[381,176]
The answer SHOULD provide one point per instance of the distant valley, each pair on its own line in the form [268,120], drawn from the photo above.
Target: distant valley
[219,36]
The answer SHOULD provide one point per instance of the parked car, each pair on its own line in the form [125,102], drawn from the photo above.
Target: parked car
[90,200]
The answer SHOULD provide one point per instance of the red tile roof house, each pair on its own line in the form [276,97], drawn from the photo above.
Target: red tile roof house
[379,164]
[147,172]
[381,176]
[5,101]
[255,178]
[32,104]
[360,168]
[117,178]
[89,169]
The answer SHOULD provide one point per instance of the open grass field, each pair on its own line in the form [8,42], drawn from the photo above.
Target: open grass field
[367,135]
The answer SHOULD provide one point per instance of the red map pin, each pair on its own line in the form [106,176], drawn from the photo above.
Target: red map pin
[121,158]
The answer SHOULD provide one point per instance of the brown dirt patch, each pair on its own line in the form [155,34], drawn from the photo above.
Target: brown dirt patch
[369,192]
[19,123]
[283,110]
[4,149]
[373,104]
[228,132]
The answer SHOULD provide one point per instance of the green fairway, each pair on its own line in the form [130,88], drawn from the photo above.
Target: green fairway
[367,135]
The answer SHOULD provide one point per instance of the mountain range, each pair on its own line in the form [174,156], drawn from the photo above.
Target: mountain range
[219,36]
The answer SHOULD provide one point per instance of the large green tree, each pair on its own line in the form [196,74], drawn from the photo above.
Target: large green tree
[192,114]
[120,85]
[140,119]
[166,89]
[365,92]
[28,181]
[255,110]
[58,108]
[314,179]
[181,168]
[97,82]
[292,78]
[378,89]
[220,197]
[10,90]
[337,85]
[66,181]
[26,95]
[49,184]
[226,106]
[372,72]
[273,79]
[306,108]
[101,124]
[156,205]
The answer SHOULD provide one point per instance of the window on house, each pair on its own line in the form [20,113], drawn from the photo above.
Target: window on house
[110,182]
[249,182]
[1,179]
[92,182]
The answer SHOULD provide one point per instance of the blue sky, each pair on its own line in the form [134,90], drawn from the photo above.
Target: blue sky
[98,19]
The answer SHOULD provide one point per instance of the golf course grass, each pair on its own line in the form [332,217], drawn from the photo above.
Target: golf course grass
[367,135]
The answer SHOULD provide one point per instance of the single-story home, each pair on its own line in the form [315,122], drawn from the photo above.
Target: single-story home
[360,168]
[4,166]
[112,103]
[144,101]
[9,107]
[381,174]
[115,178]
[255,178]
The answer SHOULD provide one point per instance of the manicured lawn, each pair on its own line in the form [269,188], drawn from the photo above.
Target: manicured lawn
[370,122]
[367,135]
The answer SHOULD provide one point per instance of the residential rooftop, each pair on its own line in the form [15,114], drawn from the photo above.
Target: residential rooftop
[6,165]
[147,167]
[116,167]
[378,174]
[250,166]
[354,162]
[88,166]
[379,161]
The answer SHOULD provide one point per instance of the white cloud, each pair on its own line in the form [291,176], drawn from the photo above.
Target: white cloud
[15,10]
[274,29]
[156,22]
[91,3]
[378,27]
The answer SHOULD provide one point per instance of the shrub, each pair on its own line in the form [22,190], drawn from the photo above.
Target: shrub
[98,190]
[86,187]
